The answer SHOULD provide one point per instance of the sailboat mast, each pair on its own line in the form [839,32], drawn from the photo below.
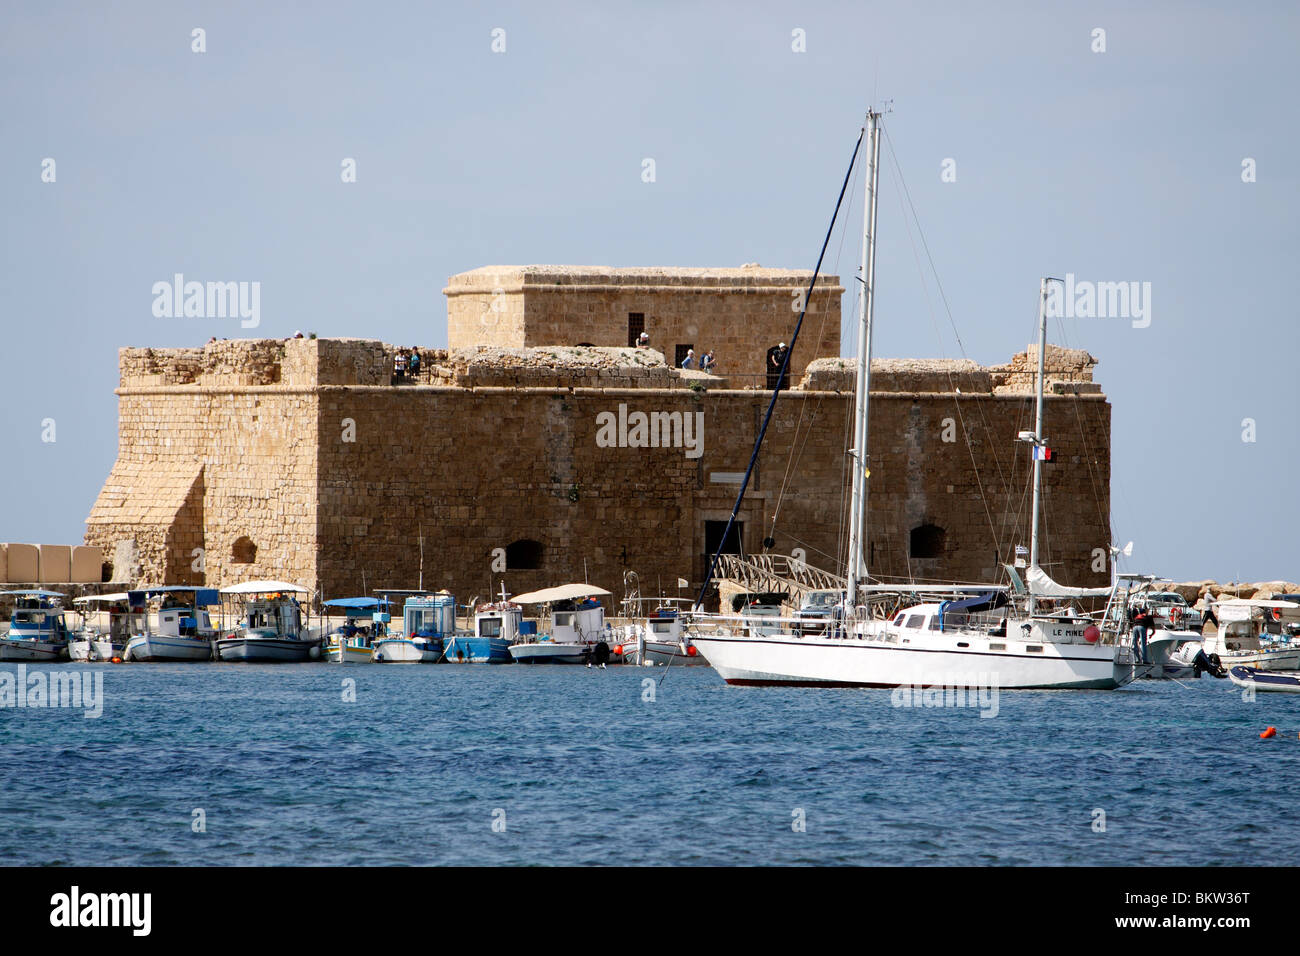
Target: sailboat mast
[1038,430]
[858,500]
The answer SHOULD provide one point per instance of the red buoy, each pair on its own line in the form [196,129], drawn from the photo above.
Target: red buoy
[1268,732]
[691,651]
[1092,634]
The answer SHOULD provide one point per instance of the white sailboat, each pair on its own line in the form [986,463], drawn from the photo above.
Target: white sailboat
[971,643]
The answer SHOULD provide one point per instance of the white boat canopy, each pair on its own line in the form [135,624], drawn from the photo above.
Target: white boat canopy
[105,598]
[565,592]
[1043,586]
[263,587]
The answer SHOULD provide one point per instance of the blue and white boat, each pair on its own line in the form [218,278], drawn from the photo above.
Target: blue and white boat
[365,620]
[272,624]
[37,630]
[181,629]
[427,621]
[497,625]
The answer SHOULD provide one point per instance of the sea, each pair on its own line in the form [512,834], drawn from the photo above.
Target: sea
[327,764]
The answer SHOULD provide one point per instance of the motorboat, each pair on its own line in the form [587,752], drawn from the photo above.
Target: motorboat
[172,624]
[575,631]
[37,629]
[272,624]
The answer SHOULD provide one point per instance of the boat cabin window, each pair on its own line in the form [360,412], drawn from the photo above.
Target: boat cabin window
[661,627]
[898,621]
[489,627]
[564,620]
[934,622]
[915,620]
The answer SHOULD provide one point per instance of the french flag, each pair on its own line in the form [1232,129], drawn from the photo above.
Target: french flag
[1042,453]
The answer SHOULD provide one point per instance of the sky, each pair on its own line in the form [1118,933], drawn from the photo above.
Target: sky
[1162,150]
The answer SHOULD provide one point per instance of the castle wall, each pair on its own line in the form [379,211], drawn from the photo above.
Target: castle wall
[739,313]
[334,475]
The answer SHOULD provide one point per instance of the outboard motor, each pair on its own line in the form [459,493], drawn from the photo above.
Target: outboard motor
[1209,663]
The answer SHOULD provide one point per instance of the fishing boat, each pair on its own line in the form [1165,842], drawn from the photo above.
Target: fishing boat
[37,630]
[497,625]
[108,621]
[1256,634]
[1162,632]
[1044,641]
[657,638]
[427,620]
[1266,681]
[173,624]
[577,631]
[364,620]
[272,624]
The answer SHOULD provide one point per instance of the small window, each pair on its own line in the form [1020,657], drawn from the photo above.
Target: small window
[997,647]
[243,551]
[962,644]
[916,620]
[489,627]
[635,326]
[1034,649]
[934,623]
[524,555]
[898,621]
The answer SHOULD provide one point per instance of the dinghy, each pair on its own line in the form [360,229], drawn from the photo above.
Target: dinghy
[1259,680]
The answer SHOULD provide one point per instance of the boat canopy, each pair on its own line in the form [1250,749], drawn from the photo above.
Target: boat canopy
[565,592]
[1040,585]
[52,594]
[988,601]
[264,587]
[359,603]
[104,598]
[203,597]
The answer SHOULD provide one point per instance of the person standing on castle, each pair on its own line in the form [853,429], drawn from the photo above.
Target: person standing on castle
[775,360]
[689,361]
[399,367]
[643,340]
[414,364]
[707,363]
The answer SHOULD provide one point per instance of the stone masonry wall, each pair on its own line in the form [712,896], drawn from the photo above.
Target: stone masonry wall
[335,483]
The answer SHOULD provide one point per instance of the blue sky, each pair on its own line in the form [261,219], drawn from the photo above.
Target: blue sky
[1123,165]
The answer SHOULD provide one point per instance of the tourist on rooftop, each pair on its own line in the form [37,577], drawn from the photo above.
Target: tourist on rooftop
[643,340]
[775,360]
[689,361]
[414,363]
[399,367]
[707,362]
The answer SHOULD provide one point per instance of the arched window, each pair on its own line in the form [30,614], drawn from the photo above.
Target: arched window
[524,555]
[243,551]
[927,541]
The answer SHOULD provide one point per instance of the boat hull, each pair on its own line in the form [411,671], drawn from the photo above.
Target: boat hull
[153,648]
[348,654]
[787,660]
[25,649]
[402,651]
[263,650]
[80,651]
[1264,681]
[553,652]
[477,650]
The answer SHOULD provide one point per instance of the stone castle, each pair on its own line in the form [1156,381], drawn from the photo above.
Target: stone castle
[539,448]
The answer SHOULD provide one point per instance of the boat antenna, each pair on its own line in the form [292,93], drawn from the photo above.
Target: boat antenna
[785,366]
[421,556]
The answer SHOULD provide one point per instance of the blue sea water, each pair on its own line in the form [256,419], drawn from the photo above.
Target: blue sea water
[581,769]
